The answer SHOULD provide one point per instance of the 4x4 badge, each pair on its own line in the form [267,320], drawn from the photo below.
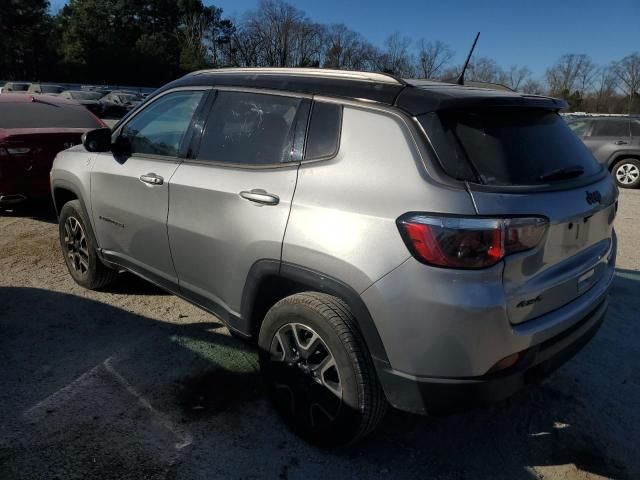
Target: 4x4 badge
[593,197]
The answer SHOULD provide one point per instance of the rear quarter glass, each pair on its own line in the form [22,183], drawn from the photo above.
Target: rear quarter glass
[505,147]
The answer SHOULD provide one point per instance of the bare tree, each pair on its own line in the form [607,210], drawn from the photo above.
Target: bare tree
[396,57]
[570,73]
[346,49]
[532,86]
[628,72]
[515,77]
[605,85]
[484,69]
[432,58]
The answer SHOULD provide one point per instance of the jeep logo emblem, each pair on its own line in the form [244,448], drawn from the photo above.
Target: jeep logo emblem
[593,197]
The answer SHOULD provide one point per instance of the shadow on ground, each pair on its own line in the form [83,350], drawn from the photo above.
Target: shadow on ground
[93,391]
[42,210]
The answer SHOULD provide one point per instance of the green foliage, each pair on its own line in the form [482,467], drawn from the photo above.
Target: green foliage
[135,42]
[27,39]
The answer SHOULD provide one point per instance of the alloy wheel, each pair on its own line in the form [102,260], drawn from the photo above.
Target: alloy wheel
[306,379]
[627,173]
[75,242]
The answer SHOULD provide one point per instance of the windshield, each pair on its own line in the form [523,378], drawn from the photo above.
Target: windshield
[51,89]
[506,147]
[19,87]
[128,97]
[86,95]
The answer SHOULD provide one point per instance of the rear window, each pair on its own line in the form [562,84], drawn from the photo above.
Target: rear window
[506,147]
[45,115]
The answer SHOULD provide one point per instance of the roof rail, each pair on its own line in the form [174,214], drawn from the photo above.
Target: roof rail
[310,72]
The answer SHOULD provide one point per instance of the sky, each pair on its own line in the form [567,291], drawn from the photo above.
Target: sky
[534,33]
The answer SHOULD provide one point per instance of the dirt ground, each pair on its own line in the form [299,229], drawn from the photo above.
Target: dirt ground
[133,383]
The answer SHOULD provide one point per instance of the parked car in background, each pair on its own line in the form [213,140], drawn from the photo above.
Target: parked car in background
[118,103]
[88,99]
[415,243]
[45,89]
[15,87]
[615,142]
[33,129]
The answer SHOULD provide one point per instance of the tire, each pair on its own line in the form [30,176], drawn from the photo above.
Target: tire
[317,370]
[626,173]
[79,249]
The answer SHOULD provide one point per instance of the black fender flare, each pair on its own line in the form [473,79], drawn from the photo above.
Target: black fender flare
[63,184]
[308,279]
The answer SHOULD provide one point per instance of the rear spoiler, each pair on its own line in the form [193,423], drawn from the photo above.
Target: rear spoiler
[418,101]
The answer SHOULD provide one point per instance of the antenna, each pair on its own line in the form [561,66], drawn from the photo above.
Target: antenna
[460,80]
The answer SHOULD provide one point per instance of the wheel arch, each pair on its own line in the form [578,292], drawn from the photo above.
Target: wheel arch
[617,156]
[269,281]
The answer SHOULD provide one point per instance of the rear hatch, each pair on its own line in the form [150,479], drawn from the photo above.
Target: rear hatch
[527,162]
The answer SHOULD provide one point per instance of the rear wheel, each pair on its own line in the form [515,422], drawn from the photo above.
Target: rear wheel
[317,370]
[79,249]
[627,173]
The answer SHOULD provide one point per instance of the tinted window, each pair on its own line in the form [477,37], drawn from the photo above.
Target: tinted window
[250,128]
[159,129]
[51,89]
[40,114]
[18,87]
[610,128]
[635,128]
[324,131]
[505,147]
[579,127]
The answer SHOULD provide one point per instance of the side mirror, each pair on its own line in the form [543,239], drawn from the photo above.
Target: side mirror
[98,140]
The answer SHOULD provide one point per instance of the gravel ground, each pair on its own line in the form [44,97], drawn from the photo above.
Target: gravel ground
[132,383]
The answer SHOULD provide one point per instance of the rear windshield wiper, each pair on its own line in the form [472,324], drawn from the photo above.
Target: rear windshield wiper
[562,173]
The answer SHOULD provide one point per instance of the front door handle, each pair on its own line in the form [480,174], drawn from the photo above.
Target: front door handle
[620,142]
[259,196]
[152,179]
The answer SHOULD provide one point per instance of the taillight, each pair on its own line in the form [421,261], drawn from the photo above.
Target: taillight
[6,151]
[18,150]
[467,242]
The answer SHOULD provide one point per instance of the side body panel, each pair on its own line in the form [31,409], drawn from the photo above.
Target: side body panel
[130,217]
[343,220]
[216,235]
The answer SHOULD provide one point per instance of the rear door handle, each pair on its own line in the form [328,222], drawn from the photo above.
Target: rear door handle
[262,197]
[621,142]
[152,179]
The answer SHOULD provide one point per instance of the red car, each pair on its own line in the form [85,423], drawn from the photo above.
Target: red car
[33,129]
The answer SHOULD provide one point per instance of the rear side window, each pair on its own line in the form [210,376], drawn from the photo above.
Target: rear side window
[324,131]
[38,114]
[251,129]
[611,128]
[506,147]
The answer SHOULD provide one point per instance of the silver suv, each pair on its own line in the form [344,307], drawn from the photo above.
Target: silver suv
[425,245]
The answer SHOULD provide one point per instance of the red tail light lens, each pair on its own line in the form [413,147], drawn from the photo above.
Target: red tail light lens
[459,242]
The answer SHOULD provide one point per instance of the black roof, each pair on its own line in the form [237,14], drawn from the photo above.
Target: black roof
[414,96]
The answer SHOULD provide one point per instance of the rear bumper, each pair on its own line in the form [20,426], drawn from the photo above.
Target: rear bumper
[434,396]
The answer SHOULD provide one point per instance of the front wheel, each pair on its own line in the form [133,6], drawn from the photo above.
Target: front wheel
[79,249]
[627,173]
[317,370]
